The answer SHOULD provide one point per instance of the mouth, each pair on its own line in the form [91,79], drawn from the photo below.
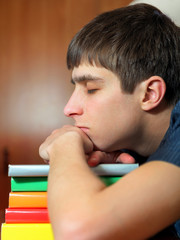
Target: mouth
[84,129]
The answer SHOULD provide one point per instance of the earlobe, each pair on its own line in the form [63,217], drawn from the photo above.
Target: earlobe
[154,90]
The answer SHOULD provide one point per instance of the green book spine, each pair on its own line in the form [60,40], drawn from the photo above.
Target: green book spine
[22,184]
[28,184]
[109,180]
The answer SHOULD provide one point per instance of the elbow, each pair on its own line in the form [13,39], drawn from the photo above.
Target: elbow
[76,228]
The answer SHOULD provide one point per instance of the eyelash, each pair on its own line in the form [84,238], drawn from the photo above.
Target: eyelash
[91,91]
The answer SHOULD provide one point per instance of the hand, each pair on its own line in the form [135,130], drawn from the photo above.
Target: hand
[115,157]
[65,135]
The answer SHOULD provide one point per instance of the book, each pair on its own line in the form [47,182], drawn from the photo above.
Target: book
[38,184]
[28,170]
[24,231]
[109,180]
[28,200]
[117,169]
[26,215]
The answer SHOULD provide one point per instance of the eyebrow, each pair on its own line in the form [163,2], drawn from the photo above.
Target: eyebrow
[84,78]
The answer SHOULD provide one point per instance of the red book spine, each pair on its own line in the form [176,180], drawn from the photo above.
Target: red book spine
[26,215]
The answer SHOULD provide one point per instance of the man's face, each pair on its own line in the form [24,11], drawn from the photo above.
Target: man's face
[102,110]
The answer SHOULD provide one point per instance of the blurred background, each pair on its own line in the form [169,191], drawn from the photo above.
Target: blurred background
[34,81]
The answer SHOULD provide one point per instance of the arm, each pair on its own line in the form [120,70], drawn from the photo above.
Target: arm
[81,207]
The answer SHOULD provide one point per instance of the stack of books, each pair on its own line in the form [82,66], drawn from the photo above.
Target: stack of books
[27,218]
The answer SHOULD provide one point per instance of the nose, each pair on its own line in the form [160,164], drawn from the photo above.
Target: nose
[74,105]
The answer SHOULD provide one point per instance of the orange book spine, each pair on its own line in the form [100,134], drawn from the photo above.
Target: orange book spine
[28,200]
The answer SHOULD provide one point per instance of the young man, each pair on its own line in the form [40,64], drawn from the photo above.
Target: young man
[126,70]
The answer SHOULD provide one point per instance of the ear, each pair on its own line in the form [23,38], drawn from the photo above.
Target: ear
[154,89]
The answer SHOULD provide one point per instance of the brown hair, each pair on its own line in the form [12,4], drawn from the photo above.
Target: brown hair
[134,42]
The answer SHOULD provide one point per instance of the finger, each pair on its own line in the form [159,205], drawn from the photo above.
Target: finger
[46,161]
[125,158]
[43,153]
[101,157]
[94,158]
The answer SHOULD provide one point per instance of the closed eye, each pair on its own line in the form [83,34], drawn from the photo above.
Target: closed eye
[90,91]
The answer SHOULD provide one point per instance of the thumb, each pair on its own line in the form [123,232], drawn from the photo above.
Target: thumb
[125,158]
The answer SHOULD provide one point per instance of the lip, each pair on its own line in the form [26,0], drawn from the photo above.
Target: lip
[84,129]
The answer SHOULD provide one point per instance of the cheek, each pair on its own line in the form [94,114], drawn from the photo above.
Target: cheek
[112,130]
[95,109]
[104,113]
[105,131]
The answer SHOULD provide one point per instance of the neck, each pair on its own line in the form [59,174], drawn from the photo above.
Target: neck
[155,127]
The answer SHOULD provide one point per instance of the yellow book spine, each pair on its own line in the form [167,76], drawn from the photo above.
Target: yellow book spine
[27,231]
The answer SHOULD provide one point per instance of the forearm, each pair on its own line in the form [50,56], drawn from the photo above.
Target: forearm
[132,208]
[72,183]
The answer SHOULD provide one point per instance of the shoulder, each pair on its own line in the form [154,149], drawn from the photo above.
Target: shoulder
[169,149]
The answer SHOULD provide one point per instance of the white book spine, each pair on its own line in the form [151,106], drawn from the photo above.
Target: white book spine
[43,170]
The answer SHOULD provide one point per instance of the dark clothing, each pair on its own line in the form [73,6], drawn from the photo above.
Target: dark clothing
[169,151]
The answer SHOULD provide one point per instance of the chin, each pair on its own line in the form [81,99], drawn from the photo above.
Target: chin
[100,144]
[104,147]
